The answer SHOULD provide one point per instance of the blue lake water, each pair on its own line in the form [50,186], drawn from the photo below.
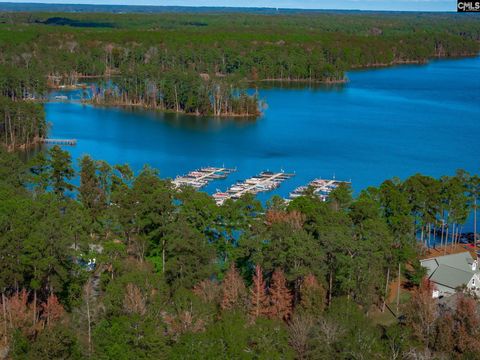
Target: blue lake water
[382,123]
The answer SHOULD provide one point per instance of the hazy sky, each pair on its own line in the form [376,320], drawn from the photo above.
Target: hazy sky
[424,5]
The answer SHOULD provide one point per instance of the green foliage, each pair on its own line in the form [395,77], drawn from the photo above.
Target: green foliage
[129,337]
[232,338]
[202,63]
[23,122]
[189,258]
[13,173]
[58,342]
[347,334]
[335,256]
[141,275]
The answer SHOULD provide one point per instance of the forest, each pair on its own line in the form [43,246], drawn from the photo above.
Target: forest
[205,63]
[119,265]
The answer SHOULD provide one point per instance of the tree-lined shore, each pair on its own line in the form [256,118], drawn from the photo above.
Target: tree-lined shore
[204,63]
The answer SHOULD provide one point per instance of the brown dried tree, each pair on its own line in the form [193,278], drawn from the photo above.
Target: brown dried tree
[444,338]
[422,312]
[19,312]
[52,311]
[134,302]
[280,297]
[258,294]
[233,289]
[467,325]
[293,218]
[207,290]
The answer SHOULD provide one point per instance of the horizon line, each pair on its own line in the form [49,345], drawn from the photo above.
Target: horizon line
[226,7]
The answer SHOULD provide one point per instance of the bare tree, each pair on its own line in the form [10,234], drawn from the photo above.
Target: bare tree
[300,328]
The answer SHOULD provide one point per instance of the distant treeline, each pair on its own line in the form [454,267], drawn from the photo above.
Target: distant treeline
[203,63]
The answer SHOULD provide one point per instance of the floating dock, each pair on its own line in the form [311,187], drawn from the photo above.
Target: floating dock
[60,141]
[265,181]
[321,187]
[201,177]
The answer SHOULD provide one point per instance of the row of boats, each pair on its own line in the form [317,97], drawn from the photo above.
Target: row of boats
[202,177]
[320,187]
[263,182]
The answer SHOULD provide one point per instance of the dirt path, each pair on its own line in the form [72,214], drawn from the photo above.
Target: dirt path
[439,251]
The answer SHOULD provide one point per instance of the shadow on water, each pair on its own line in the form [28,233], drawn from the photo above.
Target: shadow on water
[191,122]
[299,85]
[29,153]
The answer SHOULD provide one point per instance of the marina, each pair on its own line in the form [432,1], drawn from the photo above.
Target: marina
[339,131]
[265,181]
[201,177]
[320,187]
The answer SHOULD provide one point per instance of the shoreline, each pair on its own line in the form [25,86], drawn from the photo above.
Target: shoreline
[170,111]
[285,81]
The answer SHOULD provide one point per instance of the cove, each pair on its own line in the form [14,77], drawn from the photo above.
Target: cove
[383,123]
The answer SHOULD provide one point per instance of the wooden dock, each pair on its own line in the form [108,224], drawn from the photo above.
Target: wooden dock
[265,181]
[71,142]
[321,188]
[201,177]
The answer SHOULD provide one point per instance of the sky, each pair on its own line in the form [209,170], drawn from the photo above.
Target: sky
[400,5]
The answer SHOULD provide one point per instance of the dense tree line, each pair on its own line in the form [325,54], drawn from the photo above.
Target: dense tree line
[176,91]
[176,276]
[22,123]
[22,120]
[202,63]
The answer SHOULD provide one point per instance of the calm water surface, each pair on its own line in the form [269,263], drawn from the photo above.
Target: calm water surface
[383,123]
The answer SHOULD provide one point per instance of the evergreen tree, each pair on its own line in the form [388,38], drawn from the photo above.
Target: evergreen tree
[312,296]
[61,170]
[89,189]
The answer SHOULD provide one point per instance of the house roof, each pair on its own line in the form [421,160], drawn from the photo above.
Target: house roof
[451,271]
[451,277]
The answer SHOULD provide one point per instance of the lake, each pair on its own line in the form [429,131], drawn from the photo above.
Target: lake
[381,124]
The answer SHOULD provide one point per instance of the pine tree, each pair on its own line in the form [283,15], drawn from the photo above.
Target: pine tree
[258,295]
[233,289]
[89,190]
[280,297]
[61,170]
[312,295]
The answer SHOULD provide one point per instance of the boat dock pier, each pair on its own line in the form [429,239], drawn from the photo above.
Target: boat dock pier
[60,141]
[201,177]
[265,181]
[321,187]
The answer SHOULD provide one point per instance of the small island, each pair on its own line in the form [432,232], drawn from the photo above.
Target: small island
[206,64]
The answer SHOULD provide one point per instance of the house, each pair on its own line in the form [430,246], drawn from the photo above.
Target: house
[451,272]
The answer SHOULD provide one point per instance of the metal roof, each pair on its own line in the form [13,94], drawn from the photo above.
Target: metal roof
[451,277]
[451,271]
